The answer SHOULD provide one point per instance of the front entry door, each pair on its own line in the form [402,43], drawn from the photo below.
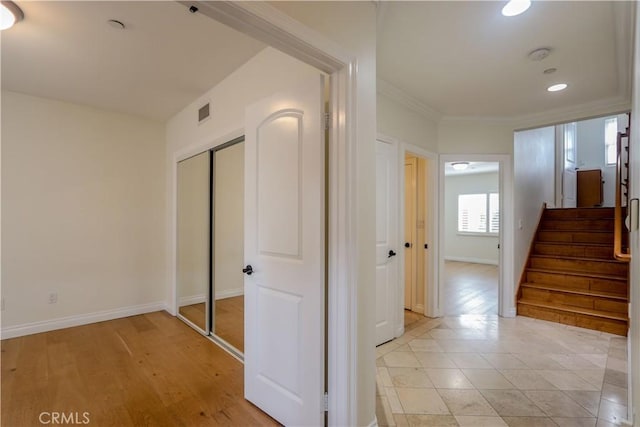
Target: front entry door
[285,254]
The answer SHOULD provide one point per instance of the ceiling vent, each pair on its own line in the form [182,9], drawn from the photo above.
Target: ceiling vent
[204,113]
[539,54]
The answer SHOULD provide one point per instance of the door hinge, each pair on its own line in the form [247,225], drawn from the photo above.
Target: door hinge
[326,402]
[327,121]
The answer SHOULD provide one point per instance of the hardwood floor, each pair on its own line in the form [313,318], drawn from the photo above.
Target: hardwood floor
[229,322]
[196,313]
[148,370]
[470,288]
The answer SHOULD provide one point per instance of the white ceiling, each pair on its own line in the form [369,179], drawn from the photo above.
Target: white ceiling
[463,58]
[163,60]
[459,58]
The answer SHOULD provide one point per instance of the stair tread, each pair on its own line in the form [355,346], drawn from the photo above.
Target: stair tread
[573,230]
[577,273]
[577,258]
[556,243]
[559,288]
[572,309]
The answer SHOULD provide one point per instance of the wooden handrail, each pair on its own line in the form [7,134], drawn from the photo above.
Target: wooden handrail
[618,253]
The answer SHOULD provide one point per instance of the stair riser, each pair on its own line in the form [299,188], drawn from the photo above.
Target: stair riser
[575,319]
[574,300]
[586,224]
[578,213]
[575,237]
[601,252]
[615,287]
[584,266]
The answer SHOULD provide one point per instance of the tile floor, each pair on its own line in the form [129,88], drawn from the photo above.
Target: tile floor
[483,370]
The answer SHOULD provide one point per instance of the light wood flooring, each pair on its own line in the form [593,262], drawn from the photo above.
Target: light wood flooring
[470,288]
[229,322]
[196,313]
[147,370]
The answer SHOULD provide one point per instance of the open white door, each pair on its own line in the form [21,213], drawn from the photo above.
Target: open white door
[569,176]
[284,245]
[386,239]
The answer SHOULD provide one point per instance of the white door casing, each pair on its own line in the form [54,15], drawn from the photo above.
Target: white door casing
[410,260]
[569,176]
[387,288]
[284,244]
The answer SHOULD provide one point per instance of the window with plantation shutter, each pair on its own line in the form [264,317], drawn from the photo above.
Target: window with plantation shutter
[479,213]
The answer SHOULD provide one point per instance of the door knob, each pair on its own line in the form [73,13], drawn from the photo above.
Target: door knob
[392,253]
[407,245]
[248,270]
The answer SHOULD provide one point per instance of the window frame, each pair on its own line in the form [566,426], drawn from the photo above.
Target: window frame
[487,212]
[613,143]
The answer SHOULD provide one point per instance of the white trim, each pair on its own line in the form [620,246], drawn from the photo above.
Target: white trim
[506,302]
[472,259]
[193,299]
[265,23]
[401,97]
[229,293]
[80,319]
[374,423]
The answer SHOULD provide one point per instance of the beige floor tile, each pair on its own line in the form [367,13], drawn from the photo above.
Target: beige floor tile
[617,365]
[480,421]
[403,347]
[573,361]
[539,361]
[422,401]
[616,378]
[557,404]
[511,403]
[466,402]
[383,412]
[589,400]
[448,378]
[431,421]
[566,380]
[401,359]
[434,360]
[612,412]
[382,375]
[427,345]
[504,361]
[469,360]
[400,420]
[489,379]
[600,360]
[409,377]
[456,346]
[615,394]
[605,423]
[394,401]
[527,379]
[380,361]
[575,422]
[595,377]
[529,422]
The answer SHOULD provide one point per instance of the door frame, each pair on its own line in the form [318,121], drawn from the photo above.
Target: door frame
[267,24]
[506,290]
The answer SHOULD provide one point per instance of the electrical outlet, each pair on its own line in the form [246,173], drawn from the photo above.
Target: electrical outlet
[53,297]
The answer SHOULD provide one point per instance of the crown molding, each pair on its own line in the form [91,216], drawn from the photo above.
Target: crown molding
[387,89]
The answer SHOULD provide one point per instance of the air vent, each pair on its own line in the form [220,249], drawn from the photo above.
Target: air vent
[203,113]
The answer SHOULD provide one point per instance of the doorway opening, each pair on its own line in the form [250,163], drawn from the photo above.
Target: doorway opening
[472,237]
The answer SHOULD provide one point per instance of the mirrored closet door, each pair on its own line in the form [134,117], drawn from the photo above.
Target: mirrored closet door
[210,250]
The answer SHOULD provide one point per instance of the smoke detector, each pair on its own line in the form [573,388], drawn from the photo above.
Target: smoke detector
[539,54]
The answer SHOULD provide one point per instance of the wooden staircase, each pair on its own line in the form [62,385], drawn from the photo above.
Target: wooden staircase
[571,276]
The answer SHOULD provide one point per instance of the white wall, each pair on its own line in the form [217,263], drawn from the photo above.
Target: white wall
[228,199]
[459,247]
[83,212]
[471,136]
[591,155]
[534,184]
[398,121]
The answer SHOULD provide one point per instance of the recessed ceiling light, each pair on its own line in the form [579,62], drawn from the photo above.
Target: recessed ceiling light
[558,87]
[10,13]
[515,7]
[460,166]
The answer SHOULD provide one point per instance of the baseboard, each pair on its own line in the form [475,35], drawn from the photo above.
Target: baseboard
[471,259]
[374,423]
[511,312]
[229,293]
[195,299]
[78,320]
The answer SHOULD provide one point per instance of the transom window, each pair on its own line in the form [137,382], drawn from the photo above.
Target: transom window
[479,213]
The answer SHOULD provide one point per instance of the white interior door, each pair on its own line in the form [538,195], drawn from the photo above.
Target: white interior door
[569,176]
[386,239]
[284,244]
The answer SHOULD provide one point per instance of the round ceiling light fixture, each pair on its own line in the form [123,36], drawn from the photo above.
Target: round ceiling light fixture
[460,166]
[557,87]
[515,7]
[10,13]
